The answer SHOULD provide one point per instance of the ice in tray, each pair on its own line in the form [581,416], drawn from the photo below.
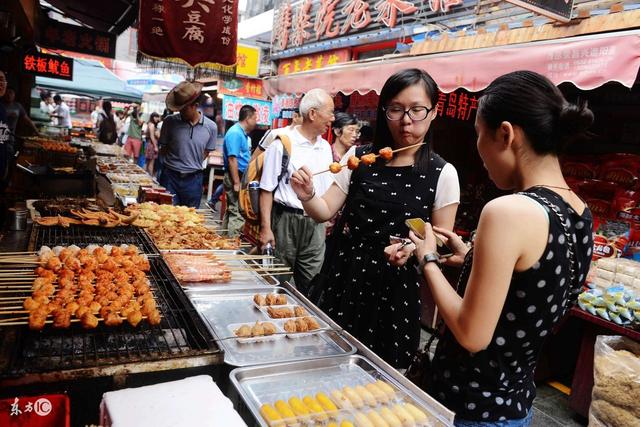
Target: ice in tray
[258,331]
[284,311]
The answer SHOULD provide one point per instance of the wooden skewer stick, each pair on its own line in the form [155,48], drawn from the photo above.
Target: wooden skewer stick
[20,323]
[17,253]
[13,319]
[377,155]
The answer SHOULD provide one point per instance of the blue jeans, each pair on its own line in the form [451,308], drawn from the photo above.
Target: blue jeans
[522,422]
[215,197]
[187,190]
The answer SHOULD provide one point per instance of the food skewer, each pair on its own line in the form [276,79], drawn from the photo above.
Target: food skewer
[74,320]
[374,156]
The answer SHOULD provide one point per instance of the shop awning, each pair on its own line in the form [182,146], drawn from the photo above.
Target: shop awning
[109,16]
[91,78]
[587,62]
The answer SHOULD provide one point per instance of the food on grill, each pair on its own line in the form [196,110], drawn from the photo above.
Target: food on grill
[386,153]
[353,162]
[59,147]
[335,167]
[279,313]
[368,159]
[198,268]
[86,217]
[178,227]
[64,207]
[123,178]
[257,330]
[74,282]
[270,299]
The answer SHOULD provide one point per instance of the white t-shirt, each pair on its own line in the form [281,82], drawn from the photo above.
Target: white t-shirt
[63,111]
[316,156]
[447,189]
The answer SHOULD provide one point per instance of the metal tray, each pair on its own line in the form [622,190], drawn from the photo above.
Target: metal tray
[258,385]
[220,308]
[239,279]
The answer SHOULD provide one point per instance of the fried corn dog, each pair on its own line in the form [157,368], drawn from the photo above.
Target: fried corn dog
[365,395]
[390,417]
[353,397]
[315,408]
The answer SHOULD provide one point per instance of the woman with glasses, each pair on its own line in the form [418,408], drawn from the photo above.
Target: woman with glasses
[347,130]
[377,302]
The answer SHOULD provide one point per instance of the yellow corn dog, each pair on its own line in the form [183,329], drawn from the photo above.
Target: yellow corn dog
[325,402]
[298,407]
[346,424]
[285,411]
[416,413]
[377,392]
[365,395]
[315,408]
[270,415]
[376,419]
[341,400]
[353,397]
[390,417]
[388,390]
[405,417]
[362,420]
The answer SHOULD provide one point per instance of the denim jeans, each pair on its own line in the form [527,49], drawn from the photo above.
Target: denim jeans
[521,422]
[187,190]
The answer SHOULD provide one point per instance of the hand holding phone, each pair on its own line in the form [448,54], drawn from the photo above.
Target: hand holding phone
[417,225]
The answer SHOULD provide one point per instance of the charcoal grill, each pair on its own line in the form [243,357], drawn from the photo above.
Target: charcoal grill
[83,235]
[181,334]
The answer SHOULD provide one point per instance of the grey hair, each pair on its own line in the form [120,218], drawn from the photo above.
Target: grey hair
[312,99]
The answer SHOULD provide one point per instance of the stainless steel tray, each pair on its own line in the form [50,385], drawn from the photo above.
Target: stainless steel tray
[220,308]
[239,279]
[258,385]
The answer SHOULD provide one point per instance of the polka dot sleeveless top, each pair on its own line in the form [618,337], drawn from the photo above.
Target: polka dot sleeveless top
[496,384]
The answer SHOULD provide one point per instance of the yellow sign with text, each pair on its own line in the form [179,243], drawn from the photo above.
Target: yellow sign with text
[248,61]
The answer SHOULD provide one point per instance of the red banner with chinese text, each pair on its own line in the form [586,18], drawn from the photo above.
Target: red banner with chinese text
[51,410]
[243,88]
[200,33]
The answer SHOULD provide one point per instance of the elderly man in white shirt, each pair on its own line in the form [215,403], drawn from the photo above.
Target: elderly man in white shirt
[298,240]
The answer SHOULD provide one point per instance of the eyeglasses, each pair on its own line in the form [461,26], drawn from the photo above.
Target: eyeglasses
[417,113]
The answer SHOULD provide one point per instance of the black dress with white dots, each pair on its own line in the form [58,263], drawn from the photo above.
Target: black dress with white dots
[496,384]
[378,303]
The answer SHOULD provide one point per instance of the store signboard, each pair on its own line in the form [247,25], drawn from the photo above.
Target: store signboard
[40,64]
[58,35]
[554,9]
[243,88]
[313,62]
[248,61]
[231,106]
[312,21]
[284,102]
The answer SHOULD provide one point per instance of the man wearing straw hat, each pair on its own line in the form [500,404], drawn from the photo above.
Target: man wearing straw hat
[185,142]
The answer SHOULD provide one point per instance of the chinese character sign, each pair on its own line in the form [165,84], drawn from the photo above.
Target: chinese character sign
[37,411]
[195,32]
[248,61]
[40,64]
[313,62]
[243,88]
[231,106]
[457,105]
[57,35]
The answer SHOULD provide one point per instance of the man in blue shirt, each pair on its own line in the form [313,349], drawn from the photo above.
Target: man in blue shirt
[185,142]
[237,152]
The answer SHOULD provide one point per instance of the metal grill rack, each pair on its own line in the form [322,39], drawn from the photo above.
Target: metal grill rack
[87,235]
[180,334]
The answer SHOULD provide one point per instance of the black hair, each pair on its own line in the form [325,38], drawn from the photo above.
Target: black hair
[245,112]
[366,133]
[57,98]
[393,86]
[152,116]
[343,119]
[106,106]
[532,102]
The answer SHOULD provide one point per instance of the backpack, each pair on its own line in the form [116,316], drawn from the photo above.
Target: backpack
[107,132]
[248,209]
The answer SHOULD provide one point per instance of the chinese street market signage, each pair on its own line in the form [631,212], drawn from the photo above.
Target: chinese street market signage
[248,58]
[282,103]
[197,33]
[313,62]
[231,106]
[243,88]
[314,21]
[457,105]
[554,9]
[57,35]
[54,66]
